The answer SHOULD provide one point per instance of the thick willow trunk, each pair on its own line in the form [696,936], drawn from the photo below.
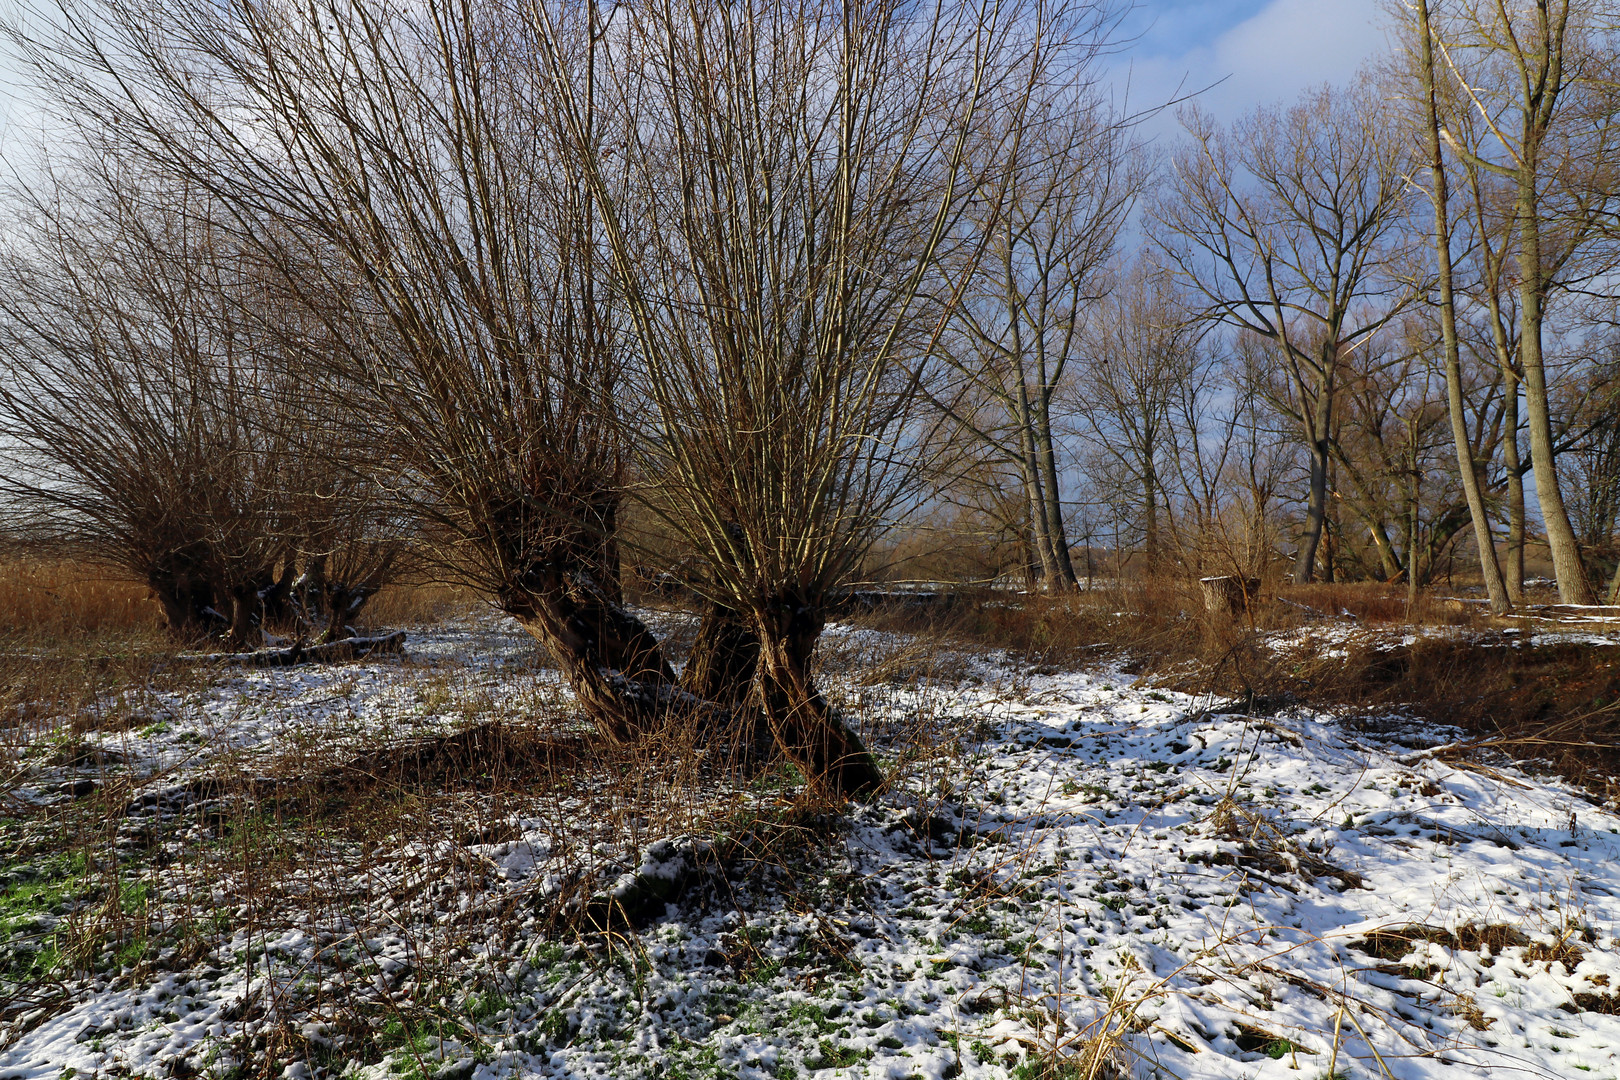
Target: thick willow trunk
[189,607]
[831,756]
[609,657]
[342,603]
[184,585]
[724,657]
[247,627]
[1320,426]
[275,594]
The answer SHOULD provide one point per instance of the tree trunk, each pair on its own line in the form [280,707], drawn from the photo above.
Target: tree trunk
[1415,570]
[1030,558]
[1386,551]
[830,755]
[1495,588]
[1321,421]
[1573,588]
[247,631]
[1315,515]
[1052,504]
[342,603]
[1515,495]
[610,658]
[1029,467]
[1150,513]
[724,657]
[190,602]
[275,607]
[1228,594]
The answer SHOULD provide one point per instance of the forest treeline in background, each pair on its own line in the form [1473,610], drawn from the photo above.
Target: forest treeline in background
[763,301]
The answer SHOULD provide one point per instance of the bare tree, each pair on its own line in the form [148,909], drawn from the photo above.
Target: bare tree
[1440,197]
[1528,97]
[1390,452]
[1292,226]
[1141,358]
[1594,464]
[149,428]
[398,166]
[777,183]
[1227,466]
[1053,222]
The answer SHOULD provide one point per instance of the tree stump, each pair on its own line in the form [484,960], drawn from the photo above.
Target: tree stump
[1228,594]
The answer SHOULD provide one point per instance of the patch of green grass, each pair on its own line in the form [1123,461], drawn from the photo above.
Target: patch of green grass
[555,1028]
[1278,1049]
[49,884]
[481,1007]
[1048,1069]
[32,945]
[810,1013]
[977,923]
[830,1055]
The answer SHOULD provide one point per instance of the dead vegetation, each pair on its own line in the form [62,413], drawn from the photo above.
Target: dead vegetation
[402,846]
[399,845]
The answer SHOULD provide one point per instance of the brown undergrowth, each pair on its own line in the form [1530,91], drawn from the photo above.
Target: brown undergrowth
[399,845]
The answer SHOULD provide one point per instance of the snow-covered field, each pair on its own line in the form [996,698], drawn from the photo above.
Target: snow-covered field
[1071,865]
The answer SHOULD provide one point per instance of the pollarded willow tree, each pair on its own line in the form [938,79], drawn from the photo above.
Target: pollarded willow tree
[148,429]
[397,166]
[778,183]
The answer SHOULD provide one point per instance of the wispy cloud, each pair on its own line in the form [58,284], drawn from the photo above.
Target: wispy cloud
[1246,52]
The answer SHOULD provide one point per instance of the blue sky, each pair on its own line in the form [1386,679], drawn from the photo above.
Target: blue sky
[1174,27]
[1265,50]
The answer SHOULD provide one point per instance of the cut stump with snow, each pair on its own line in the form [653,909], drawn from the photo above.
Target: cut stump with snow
[1229,594]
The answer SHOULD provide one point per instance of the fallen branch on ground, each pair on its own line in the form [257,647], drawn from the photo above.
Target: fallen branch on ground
[354,648]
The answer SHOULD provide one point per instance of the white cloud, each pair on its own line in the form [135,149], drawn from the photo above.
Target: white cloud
[1286,47]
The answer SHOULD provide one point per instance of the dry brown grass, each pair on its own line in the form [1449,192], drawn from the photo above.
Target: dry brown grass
[53,598]
[391,843]
[383,841]
[70,637]
[74,636]
[415,603]
[45,599]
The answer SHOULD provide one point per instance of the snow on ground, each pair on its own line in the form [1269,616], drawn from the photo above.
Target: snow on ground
[1336,639]
[1197,893]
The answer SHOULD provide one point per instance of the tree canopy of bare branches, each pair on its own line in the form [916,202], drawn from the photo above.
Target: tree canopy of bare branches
[1292,226]
[150,427]
[780,186]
